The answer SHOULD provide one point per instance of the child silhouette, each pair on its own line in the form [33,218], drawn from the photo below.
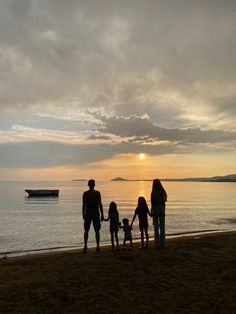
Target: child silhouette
[113,217]
[142,211]
[127,231]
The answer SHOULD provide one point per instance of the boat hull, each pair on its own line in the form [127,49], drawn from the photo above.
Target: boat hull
[42,193]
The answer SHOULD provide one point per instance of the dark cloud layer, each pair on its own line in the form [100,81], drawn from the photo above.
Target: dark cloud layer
[138,126]
[113,52]
[130,75]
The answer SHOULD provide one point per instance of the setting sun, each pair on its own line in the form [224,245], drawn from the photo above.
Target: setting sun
[141,156]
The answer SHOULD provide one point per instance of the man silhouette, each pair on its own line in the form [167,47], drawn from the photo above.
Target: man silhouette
[92,208]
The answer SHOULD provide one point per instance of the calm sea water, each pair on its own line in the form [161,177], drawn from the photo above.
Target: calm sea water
[31,223]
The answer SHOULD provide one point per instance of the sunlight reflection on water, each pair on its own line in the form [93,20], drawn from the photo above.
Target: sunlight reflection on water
[29,223]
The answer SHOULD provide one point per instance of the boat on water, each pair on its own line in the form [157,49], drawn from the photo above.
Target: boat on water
[42,193]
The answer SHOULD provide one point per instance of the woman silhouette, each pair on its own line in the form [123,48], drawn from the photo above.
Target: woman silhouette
[158,199]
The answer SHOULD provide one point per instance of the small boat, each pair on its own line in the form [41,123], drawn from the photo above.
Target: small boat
[42,193]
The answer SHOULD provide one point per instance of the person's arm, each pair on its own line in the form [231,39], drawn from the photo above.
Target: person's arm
[83,207]
[135,214]
[106,219]
[152,199]
[101,207]
[148,211]
[165,196]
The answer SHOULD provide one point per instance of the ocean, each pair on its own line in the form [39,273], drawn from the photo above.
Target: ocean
[31,224]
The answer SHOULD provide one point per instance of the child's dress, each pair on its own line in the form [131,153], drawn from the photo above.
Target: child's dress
[142,212]
[114,222]
[127,230]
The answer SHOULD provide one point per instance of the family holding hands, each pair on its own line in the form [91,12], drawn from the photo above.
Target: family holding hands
[93,212]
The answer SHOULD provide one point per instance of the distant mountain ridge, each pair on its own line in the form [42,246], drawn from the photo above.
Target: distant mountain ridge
[227,178]
[120,179]
[79,180]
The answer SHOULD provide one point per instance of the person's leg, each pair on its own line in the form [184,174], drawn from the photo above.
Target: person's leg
[97,227]
[156,231]
[85,239]
[162,230]
[112,239]
[159,232]
[147,235]
[117,239]
[124,242]
[142,237]
[87,223]
[97,234]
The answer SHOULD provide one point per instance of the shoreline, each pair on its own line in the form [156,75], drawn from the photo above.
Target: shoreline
[191,275]
[105,244]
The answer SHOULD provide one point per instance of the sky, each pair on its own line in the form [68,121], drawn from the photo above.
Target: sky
[87,86]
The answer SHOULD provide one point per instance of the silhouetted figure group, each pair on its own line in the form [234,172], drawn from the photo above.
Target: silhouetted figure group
[93,213]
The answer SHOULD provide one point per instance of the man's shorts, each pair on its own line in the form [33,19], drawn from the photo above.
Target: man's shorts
[96,223]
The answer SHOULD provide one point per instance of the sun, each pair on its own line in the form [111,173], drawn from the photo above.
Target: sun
[141,156]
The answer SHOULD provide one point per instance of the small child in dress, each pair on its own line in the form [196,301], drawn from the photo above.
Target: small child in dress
[127,231]
[142,211]
[113,216]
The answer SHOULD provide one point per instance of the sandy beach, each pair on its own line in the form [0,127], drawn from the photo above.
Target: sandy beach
[191,275]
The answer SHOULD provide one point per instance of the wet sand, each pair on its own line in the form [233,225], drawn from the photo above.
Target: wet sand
[191,275]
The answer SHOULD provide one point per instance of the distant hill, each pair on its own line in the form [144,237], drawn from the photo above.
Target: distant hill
[79,180]
[120,179]
[227,178]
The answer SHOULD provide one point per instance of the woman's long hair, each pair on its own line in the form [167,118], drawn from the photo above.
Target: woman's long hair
[157,188]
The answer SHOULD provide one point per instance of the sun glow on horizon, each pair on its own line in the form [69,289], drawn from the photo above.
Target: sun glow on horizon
[141,156]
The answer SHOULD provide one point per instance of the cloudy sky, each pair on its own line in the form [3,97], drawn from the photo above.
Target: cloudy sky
[86,86]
